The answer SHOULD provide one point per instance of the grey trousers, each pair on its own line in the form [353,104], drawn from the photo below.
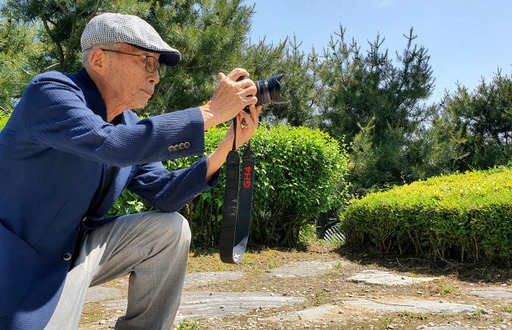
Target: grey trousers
[153,248]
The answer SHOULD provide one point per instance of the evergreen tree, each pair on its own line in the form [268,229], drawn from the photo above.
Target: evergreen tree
[476,127]
[375,104]
[19,51]
[299,86]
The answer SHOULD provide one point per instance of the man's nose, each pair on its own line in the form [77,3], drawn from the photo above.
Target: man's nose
[154,77]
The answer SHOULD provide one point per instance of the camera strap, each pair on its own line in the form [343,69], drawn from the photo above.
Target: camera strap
[236,213]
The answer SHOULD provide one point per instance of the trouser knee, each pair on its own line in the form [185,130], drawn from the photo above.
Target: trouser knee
[174,228]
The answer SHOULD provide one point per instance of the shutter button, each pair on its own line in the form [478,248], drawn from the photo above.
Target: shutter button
[66,256]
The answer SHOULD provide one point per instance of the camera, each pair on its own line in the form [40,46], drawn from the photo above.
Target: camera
[268,91]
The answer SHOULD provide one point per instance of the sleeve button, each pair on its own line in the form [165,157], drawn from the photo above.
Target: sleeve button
[66,256]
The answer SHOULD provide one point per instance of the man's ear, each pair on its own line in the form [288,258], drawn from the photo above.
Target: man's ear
[98,61]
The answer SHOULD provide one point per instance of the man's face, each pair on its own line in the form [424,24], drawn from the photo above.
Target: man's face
[130,83]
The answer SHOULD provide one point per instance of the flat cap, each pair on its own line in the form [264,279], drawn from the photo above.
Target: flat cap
[110,28]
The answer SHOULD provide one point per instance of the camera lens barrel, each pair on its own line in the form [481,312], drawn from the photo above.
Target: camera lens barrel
[268,91]
[263,92]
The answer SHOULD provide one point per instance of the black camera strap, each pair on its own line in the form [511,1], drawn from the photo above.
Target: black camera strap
[236,213]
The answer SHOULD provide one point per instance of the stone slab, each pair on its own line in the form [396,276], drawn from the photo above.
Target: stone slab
[195,280]
[309,314]
[206,305]
[413,306]
[493,293]
[378,277]
[303,269]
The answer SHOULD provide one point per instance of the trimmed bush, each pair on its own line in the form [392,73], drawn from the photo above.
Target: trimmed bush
[3,121]
[299,174]
[463,216]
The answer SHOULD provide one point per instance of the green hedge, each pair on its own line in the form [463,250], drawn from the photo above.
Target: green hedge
[464,216]
[3,121]
[299,175]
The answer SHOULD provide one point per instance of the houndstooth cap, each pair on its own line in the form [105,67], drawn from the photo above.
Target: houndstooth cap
[110,28]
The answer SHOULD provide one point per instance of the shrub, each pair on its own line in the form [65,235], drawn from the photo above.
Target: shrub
[3,121]
[464,216]
[299,174]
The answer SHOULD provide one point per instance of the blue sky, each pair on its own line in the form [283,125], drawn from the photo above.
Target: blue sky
[466,39]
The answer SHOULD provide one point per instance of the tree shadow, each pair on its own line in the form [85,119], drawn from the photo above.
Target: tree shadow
[477,272]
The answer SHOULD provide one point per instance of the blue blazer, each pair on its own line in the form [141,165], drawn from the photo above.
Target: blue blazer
[61,162]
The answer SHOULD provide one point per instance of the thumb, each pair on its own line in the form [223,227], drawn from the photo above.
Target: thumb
[221,76]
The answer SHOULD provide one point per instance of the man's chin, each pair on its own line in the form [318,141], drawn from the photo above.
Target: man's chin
[140,105]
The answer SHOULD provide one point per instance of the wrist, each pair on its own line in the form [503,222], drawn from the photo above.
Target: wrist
[208,117]
[218,157]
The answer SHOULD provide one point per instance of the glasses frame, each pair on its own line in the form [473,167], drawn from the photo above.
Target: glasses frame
[157,69]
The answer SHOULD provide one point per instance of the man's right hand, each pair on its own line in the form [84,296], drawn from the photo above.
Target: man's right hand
[230,97]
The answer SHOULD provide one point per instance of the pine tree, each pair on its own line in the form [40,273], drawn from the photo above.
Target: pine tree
[375,103]
[476,125]
[19,51]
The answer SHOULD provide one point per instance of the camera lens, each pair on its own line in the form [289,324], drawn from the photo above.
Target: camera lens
[262,94]
[269,91]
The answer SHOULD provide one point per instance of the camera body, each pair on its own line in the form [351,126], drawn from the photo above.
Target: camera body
[268,91]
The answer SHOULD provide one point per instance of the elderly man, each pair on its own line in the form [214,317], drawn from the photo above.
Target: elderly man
[70,148]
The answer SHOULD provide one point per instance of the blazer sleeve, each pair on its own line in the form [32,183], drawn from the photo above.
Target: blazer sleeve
[57,115]
[170,191]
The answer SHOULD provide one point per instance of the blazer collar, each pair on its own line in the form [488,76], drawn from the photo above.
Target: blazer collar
[92,94]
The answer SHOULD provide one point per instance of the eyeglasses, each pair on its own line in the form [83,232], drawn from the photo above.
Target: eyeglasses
[151,62]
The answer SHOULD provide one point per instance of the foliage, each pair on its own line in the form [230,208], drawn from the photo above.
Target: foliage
[18,58]
[189,325]
[474,129]
[299,174]
[60,25]
[3,121]
[465,216]
[129,203]
[375,104]
[299,86]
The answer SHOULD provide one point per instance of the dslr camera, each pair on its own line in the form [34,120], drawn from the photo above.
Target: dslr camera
[268,91]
